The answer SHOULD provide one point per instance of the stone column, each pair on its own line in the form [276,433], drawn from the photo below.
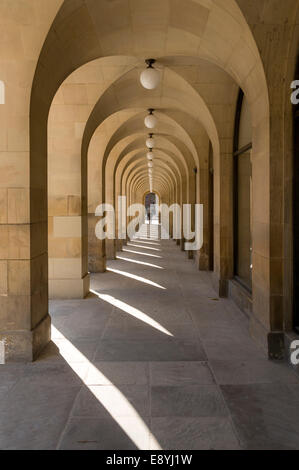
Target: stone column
[68,273]
[203,255]
[110,249]
[119,244]
[96,248]
[24,320]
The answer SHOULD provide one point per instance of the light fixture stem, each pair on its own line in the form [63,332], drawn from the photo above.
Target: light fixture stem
[150,63]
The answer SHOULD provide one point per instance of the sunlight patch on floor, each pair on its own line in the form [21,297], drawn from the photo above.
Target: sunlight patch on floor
[146,247]
[136,278]
[141,253]
[140,262]
[132,311]
[153,239]
[145,240]
[113,400]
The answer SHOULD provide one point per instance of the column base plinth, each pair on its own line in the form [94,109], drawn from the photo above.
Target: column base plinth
[25,346]
[69,288]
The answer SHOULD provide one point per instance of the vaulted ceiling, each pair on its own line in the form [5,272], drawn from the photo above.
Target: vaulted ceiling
[88,74]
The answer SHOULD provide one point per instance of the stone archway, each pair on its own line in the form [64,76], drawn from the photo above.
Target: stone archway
[196,35]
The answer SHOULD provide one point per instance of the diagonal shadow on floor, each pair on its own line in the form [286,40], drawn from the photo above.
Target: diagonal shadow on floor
[137,366]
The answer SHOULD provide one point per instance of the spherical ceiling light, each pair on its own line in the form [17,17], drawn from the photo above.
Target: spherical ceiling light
[150,78]
[150,164]
[150,121]
[150,143]
[150,171]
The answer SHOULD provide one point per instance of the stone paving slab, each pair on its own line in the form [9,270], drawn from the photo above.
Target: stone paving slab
[138,366]
[266,416]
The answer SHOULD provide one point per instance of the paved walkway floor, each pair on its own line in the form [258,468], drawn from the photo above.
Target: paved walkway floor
[151,360]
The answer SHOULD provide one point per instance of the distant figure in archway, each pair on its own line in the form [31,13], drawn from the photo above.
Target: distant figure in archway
[150,205]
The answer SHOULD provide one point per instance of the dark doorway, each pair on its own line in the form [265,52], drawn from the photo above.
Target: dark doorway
[296,211]
[211,210]
[243,194]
